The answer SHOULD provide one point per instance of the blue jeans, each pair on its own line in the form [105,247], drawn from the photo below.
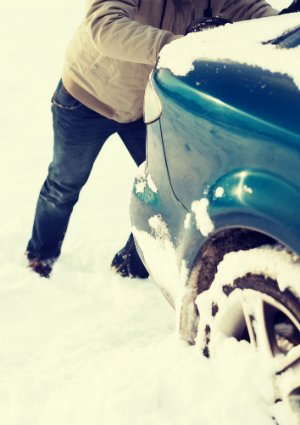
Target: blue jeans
[79,134]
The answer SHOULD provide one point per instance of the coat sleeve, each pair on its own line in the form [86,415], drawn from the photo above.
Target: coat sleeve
[240,10]
[117,35]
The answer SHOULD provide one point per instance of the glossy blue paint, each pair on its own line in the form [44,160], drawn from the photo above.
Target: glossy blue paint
[163,202]
[257,199]
[288,40]
[229,133]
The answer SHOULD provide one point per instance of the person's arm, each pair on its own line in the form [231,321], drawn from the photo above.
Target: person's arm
[240,10]
[118,36]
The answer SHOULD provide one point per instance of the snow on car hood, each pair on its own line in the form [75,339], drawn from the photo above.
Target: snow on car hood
[241,42]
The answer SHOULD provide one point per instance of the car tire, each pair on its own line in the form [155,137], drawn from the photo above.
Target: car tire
[254,296]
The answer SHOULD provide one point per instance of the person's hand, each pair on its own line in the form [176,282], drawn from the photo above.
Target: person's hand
[293,7]
[207,23]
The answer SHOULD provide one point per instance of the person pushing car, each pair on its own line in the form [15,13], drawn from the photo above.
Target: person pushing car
[105,72]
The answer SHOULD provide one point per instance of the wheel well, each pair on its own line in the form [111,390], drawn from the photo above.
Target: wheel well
[214,249]
[205,267]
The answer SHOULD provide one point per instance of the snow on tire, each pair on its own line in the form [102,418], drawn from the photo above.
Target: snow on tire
[255,296]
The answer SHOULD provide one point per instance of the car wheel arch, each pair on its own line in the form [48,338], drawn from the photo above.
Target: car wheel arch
[245,198]
[256,199]
[204,266]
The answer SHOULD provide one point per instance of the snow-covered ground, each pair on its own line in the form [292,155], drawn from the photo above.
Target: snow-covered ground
[88,347]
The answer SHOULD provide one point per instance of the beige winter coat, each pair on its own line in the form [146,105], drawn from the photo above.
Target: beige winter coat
[109,59]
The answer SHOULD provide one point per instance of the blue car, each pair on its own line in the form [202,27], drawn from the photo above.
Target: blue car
[215,209]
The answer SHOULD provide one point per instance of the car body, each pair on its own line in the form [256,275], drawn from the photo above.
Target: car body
[222,175]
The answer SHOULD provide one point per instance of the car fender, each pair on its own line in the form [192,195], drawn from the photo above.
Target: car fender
[247,198]
[257,199]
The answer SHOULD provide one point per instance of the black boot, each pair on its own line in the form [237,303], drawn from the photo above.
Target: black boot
[127,262]
[41,267]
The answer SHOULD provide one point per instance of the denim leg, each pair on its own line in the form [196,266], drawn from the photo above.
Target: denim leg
[133,136]
[127,261]
[79,134]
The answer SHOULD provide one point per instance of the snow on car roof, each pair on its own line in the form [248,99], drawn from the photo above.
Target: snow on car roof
[242,42]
